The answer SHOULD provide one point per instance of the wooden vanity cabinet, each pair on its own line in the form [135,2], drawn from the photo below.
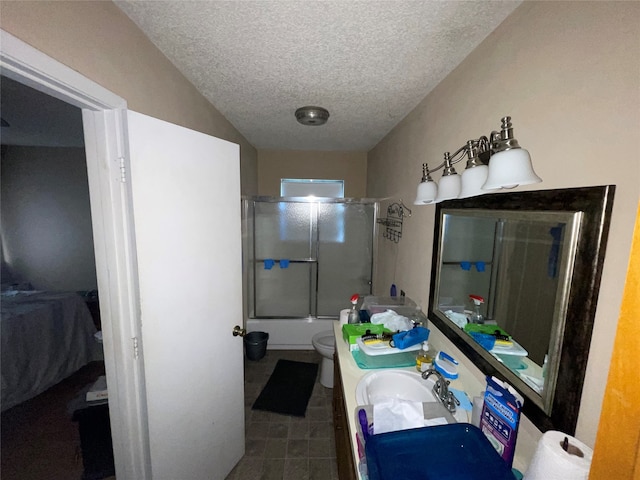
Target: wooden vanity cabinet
[346,468]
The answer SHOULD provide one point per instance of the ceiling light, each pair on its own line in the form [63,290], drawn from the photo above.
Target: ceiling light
[312,116]
[493,163]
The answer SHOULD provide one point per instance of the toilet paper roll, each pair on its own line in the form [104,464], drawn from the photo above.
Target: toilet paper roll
[552,462]
[344,316]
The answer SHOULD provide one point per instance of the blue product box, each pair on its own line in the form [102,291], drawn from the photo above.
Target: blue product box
[501,416]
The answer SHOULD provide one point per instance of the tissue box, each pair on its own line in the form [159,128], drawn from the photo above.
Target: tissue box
[352,331]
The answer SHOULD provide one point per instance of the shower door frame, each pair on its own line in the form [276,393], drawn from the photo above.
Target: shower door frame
[250,303]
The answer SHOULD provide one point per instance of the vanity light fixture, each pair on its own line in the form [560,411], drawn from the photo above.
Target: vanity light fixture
[492,163]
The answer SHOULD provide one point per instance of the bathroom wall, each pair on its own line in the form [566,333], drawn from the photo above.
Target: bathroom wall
[567,72]
[569,75]
[98,40]
[348,166]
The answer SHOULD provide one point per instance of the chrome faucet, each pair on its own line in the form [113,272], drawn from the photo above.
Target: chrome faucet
[441,390]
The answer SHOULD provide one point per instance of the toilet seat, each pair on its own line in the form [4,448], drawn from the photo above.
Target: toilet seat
[324,342]
[328,341]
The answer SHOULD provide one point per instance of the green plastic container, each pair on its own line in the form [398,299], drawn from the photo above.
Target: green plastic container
[352,331]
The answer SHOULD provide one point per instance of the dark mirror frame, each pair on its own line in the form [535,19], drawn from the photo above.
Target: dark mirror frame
[596,204]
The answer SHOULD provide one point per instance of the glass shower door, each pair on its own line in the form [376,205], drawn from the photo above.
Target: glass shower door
[285,259]
[345,250]
[306,258]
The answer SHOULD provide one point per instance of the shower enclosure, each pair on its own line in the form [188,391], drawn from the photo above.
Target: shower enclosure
[305,257]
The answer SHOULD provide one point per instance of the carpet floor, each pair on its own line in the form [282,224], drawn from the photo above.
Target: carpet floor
[38,439]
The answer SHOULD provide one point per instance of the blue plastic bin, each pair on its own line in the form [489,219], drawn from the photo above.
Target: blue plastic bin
[458,451]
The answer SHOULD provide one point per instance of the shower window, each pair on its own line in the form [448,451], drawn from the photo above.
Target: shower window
[309,187]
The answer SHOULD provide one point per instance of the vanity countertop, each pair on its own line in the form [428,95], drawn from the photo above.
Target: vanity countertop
[351,375]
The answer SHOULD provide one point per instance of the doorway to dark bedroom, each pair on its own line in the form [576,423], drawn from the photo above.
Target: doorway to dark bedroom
[49,283]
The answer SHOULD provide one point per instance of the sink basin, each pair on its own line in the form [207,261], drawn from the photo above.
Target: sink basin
[400,384]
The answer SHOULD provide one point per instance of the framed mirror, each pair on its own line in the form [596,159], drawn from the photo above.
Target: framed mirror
[514,285]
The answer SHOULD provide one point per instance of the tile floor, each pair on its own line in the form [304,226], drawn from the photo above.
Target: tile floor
[283,447]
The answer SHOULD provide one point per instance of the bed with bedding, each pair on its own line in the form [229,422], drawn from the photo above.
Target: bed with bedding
[44,338]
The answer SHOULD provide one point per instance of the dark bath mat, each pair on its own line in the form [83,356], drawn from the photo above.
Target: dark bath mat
[288,389]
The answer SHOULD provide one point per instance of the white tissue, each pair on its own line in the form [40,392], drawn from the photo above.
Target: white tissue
[391,321]
[551,462]
[392,414]
[344,316]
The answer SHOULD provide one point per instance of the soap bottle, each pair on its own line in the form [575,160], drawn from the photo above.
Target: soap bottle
[354,315]
[476,316]
[424,358]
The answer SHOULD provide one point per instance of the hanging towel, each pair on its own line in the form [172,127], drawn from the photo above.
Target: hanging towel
[480,266]
[268,263]
[284,263]
[554,252]
[465,265]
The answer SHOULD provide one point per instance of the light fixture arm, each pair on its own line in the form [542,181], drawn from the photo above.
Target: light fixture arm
[492,163]
[469,149]
[497,142]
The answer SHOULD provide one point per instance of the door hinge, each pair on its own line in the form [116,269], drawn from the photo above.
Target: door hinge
[136,348]
[123,170]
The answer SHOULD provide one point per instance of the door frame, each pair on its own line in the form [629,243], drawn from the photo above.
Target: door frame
[104,120]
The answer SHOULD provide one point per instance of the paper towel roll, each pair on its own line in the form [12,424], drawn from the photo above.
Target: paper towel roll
[552,462]
[344,316]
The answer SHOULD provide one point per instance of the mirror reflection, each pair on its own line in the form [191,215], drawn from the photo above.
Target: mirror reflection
[503,280]
[514,286]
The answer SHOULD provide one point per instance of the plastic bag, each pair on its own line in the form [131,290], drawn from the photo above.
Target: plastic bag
[392,321]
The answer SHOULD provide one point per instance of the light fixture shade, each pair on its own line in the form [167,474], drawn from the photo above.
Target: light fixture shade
[449,187]
[510,168]
[472,181]
[427,192]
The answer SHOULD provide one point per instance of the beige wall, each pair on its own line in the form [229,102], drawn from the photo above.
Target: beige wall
[569,75]
[348,166]
[100,42]
[567,72]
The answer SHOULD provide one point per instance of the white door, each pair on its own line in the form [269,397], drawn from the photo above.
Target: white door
[186,207]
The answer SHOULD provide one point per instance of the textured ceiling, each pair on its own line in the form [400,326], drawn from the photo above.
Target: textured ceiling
[368,62]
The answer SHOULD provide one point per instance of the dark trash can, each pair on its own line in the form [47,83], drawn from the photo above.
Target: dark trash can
[255,344]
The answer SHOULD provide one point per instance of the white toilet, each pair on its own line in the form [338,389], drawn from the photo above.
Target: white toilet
[325,345]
